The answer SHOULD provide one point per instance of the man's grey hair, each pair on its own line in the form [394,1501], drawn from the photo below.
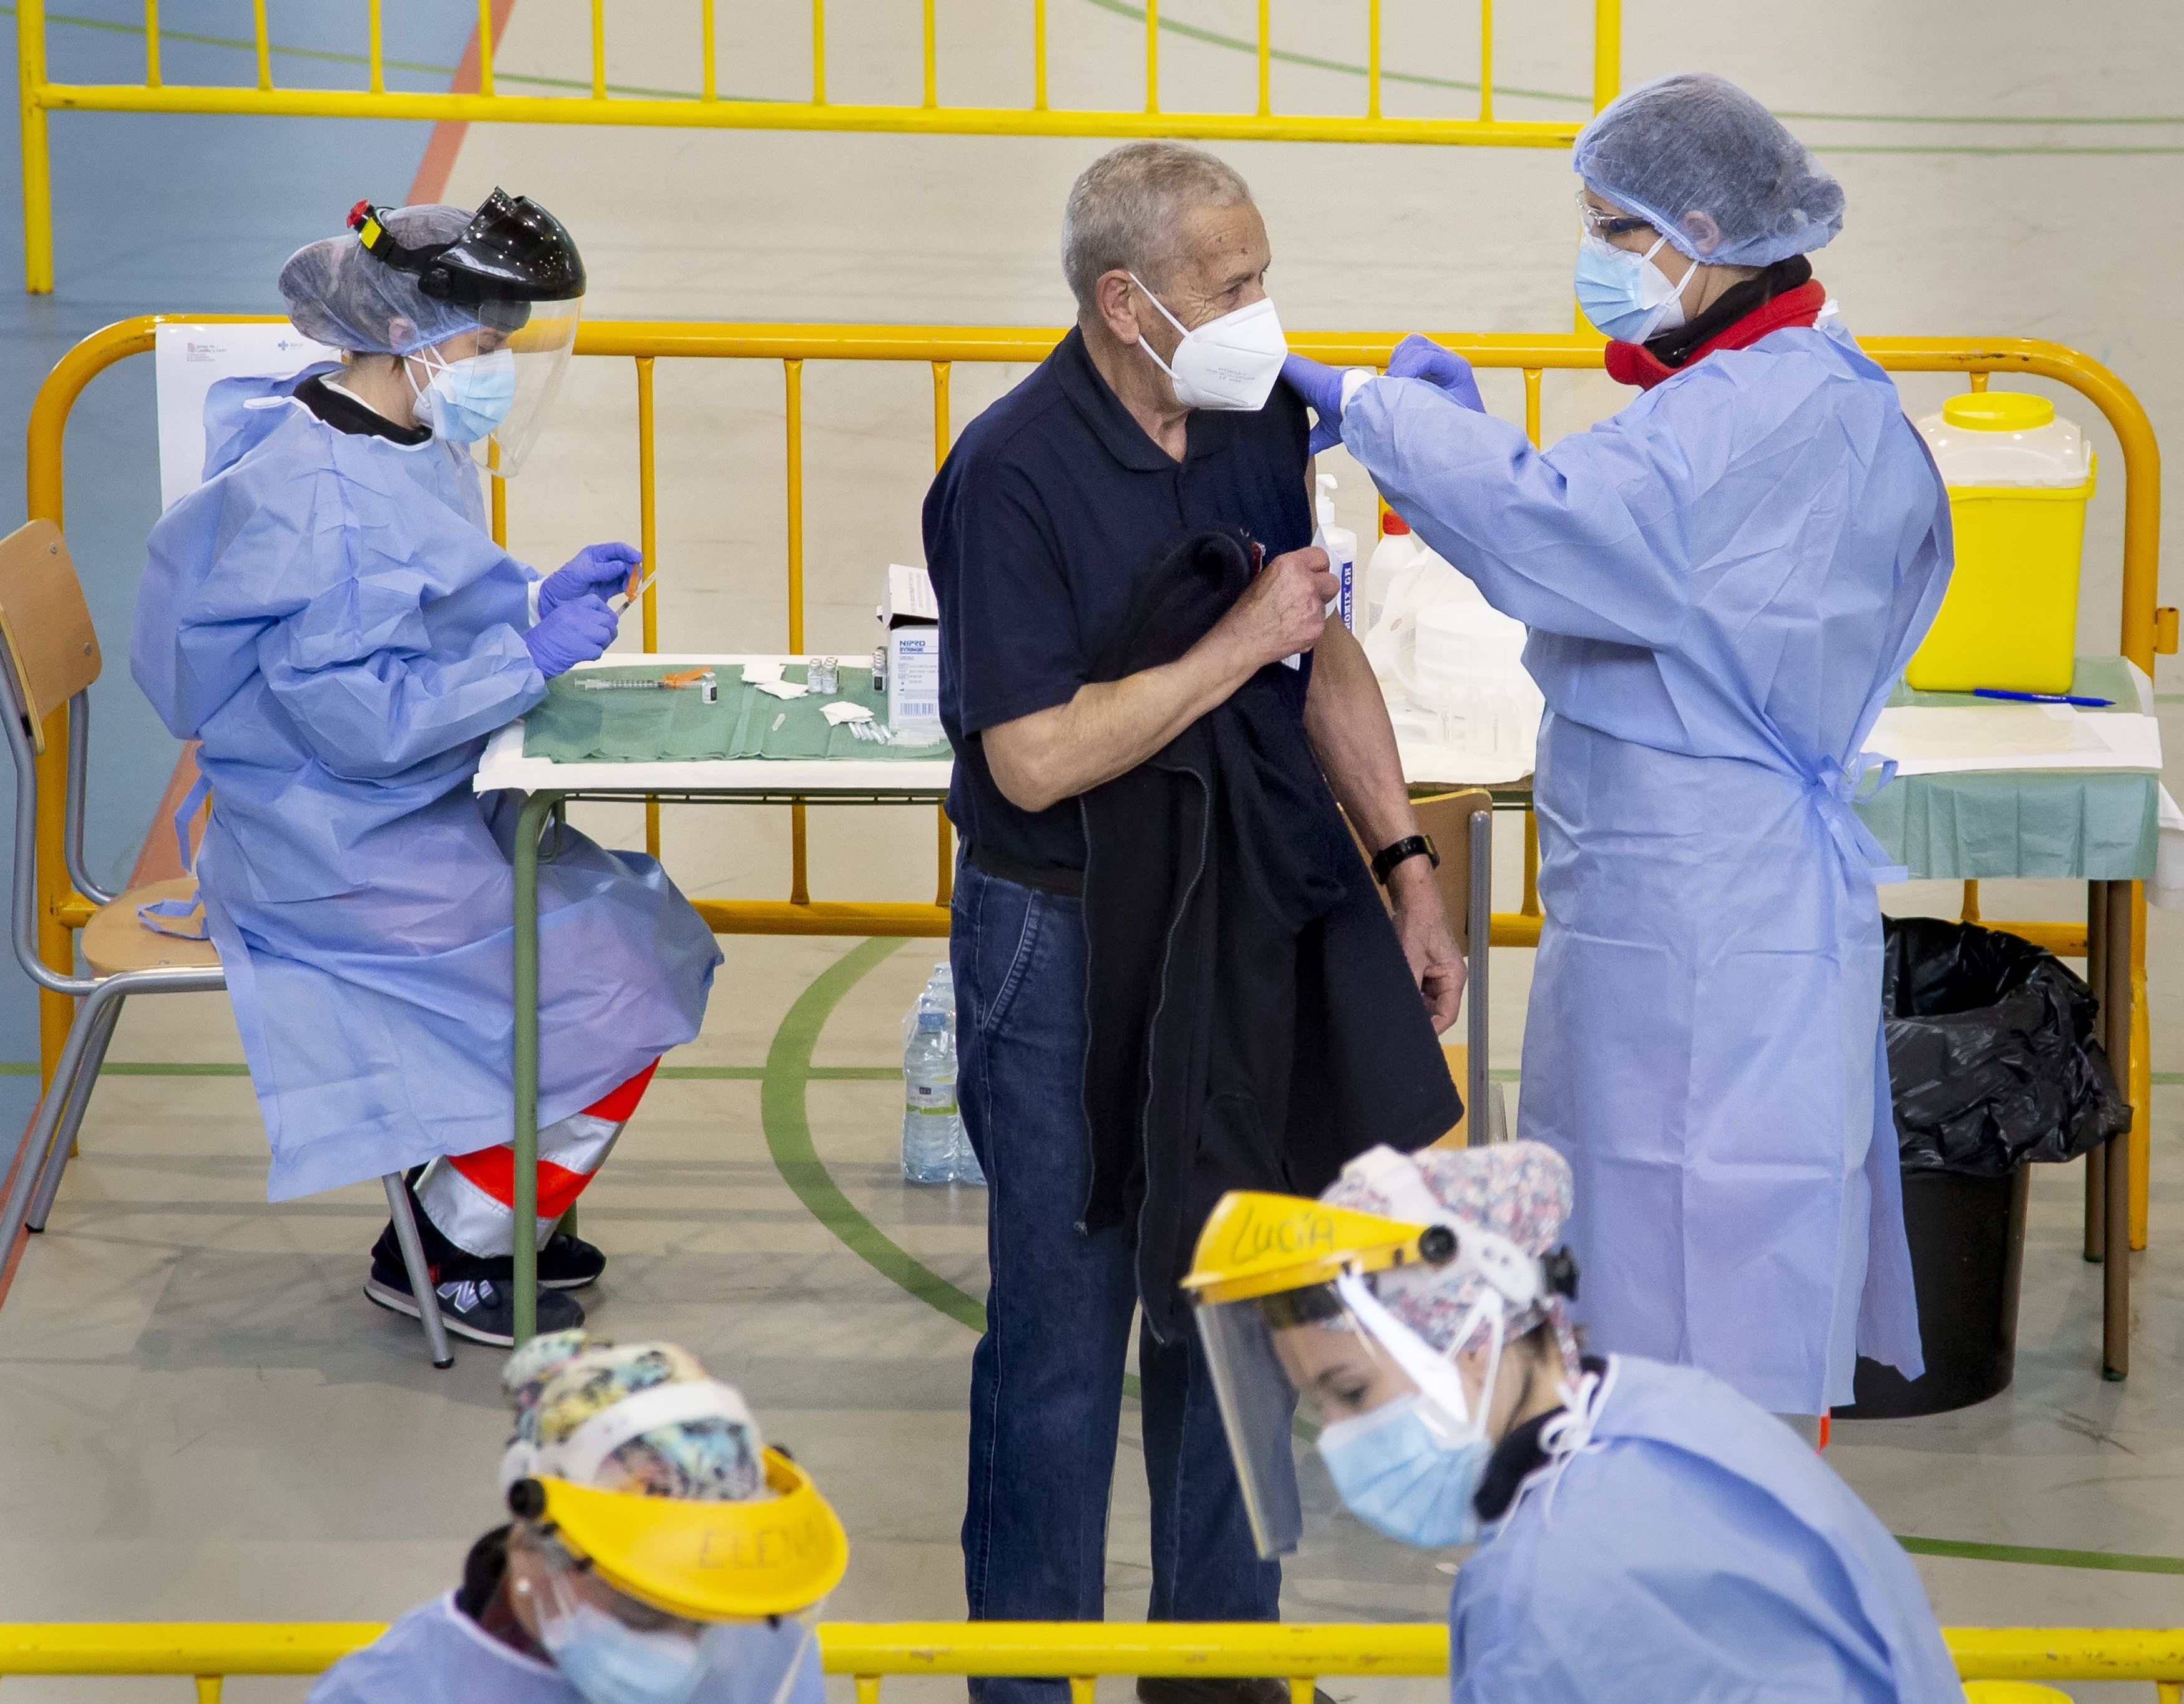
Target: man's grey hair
[1126,212]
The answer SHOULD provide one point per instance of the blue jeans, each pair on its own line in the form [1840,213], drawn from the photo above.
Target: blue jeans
[1046,1382]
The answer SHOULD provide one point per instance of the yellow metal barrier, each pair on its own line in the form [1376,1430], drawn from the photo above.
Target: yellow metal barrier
[707,108]
[210,1651]
[2145,627]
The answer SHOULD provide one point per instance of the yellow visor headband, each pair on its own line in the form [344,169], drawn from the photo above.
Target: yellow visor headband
[1257,1244]
[702,1561]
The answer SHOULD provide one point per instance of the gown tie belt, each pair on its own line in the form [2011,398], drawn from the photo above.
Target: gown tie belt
[1839,794]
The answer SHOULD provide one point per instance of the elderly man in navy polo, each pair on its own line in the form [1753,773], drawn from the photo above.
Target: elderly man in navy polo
[1173,975]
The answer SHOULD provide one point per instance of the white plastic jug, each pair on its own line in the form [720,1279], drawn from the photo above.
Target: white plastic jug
[1425,580]
[1468,670]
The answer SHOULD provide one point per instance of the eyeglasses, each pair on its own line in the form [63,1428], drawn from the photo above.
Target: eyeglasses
[1608,224]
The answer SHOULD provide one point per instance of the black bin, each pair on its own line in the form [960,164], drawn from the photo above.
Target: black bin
[1967,1237]
[1992,1067]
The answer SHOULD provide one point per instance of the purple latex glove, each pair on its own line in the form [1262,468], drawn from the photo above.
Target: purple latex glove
[1319,387]
[599,569]
[1421,358]
[570,632]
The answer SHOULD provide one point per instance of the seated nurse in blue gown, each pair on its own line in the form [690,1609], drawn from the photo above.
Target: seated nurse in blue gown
[328,615]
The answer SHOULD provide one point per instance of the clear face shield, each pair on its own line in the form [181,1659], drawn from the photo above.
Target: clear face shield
[617,1649]
[539,345]
[490,389]
[1334,1351]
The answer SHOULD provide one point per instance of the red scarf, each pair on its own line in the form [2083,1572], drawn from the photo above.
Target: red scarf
[1634,364]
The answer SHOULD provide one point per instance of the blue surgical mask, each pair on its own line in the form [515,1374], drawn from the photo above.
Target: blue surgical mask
[467,399]
[611,1664]
[1401,1480]
[1623,293]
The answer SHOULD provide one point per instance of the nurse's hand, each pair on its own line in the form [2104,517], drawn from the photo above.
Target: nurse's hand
[1282,612]
[599,569]
[1428,943]
[1421,358]
[570,633]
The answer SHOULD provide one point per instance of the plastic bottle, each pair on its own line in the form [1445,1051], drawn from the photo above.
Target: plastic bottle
[940,990]
[1341,545]
[931,1129]
[1397,549]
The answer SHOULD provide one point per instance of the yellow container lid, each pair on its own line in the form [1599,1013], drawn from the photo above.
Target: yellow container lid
[1997,411]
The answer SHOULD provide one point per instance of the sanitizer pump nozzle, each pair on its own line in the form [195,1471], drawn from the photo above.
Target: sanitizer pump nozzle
[1341,545]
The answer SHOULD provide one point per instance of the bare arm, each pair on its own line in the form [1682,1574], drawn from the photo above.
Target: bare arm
[1112,727]
[1346,720]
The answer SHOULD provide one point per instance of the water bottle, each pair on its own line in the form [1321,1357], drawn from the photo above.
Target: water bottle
[940,990]
[931,1129]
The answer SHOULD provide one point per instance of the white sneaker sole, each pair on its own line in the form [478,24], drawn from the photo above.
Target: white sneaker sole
[401,1301]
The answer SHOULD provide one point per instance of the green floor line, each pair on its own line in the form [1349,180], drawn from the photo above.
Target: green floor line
[756,1073]
[2037,1556]
[788,1068]
[1197,32]
[137,1067]
[788,1139]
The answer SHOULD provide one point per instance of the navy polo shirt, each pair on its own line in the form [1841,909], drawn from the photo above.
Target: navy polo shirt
[1043,523]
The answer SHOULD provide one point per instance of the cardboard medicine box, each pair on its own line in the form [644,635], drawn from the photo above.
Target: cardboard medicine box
[911,617]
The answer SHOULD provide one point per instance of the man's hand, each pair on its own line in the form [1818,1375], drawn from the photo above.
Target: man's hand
[1282,612]
[1428,943]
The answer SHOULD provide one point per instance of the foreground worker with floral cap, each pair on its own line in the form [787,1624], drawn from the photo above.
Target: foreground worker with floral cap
[660,1553]
[1644,1532]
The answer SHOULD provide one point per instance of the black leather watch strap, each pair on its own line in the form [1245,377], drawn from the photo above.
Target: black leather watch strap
[1410,846]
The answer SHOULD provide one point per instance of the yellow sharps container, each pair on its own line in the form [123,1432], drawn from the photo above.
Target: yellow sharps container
[2018,480]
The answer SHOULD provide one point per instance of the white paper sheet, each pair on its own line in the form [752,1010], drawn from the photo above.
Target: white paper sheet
[1927,740]
[2166,890]
[188,360]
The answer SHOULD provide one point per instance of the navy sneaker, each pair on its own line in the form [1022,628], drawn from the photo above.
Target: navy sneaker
[566,1262]
[482,1309]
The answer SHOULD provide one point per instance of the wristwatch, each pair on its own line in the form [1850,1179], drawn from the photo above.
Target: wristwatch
[1410,846]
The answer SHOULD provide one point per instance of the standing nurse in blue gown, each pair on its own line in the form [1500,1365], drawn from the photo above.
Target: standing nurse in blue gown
[1722,583]
[329,617]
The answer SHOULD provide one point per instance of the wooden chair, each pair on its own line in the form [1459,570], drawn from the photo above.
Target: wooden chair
[49,656]
[1461,825]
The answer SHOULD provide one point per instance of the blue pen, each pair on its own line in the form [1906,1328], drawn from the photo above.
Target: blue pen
[2042,698]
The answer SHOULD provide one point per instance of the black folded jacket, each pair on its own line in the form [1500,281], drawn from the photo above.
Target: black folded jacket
[1252,1022]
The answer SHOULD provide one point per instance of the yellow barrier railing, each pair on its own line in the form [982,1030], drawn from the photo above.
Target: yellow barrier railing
[2146,628]
[210,1652]
[706,108]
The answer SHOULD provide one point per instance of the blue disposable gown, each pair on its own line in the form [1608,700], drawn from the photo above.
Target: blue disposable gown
[437,1655]
[1722,583]
[329,617]
[1703,1552]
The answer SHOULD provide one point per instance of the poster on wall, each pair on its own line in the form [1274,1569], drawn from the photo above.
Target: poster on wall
[188,360]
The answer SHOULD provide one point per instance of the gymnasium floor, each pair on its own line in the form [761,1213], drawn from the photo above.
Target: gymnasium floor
[207,1421]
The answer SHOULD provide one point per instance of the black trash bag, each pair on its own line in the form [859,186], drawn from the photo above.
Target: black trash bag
[1992,1058]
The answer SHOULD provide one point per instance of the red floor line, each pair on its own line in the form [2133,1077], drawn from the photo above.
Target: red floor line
[439,161]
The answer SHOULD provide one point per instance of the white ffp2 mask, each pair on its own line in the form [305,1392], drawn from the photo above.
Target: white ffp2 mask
[1230,363]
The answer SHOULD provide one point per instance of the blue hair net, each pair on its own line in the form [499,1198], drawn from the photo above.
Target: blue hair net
[337,293]
[1694,142]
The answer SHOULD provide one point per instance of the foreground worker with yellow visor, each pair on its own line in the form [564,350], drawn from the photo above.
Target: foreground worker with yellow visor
[1643,1530]
[660,1553]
